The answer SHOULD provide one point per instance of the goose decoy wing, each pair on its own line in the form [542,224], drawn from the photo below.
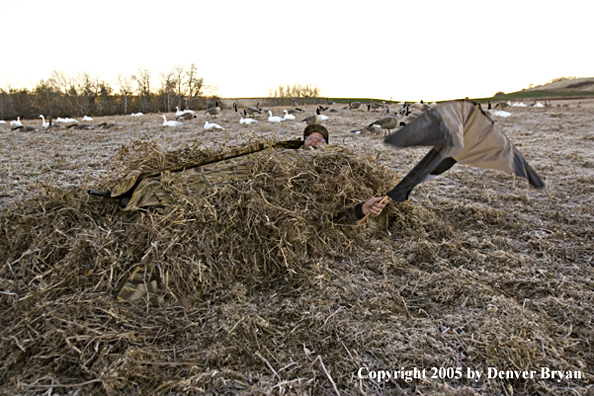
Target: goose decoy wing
[458,132]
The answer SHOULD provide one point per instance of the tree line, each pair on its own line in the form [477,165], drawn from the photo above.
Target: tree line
[61,95]
[295,91]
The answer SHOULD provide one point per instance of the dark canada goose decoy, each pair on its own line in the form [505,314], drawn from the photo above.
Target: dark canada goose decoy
[186,116]
[374,106]
[294,111]
[421,106]
[214,111]
[52,125]
[387,124]
[355,105]
[503,104]
[315,119]
[251,110]
[80,126]
[24,128]
[106,125]
[405,110]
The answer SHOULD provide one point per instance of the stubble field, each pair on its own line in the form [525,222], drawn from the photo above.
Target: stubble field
[476,272]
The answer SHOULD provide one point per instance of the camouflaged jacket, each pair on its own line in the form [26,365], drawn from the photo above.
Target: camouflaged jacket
[144,190]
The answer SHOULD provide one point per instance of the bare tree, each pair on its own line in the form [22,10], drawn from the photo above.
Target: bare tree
[179,73]
[125,89]
[62,83]
[48,97]
[87,90]
[60,80]
[193,84]
[8,110]
[168,85]
[143,84]
[106,98]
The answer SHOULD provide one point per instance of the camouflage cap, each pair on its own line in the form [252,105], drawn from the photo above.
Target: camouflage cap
[316,128]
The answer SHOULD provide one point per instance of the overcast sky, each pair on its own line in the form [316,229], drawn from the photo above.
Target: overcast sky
[404,50]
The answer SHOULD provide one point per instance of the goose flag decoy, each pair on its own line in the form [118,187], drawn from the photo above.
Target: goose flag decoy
[459,132]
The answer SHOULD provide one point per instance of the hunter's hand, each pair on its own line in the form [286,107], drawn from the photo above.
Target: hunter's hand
[373,206]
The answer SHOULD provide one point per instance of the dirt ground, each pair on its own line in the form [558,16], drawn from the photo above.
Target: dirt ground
[480,273]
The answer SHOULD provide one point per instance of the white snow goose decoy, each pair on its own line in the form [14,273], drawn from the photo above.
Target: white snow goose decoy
[247,120]
[272,118]
[43,123]
[170,123]
[288,116]
[16,123]
[209,125]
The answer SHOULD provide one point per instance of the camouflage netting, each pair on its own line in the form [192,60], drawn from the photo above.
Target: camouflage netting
[261,292]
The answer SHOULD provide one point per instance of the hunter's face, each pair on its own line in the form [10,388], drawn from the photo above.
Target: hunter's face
[315,139]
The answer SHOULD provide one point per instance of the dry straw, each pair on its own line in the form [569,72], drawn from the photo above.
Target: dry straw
[262,292]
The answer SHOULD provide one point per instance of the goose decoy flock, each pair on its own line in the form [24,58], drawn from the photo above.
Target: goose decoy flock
[402,115]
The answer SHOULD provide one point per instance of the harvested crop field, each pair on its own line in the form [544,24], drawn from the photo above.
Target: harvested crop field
[477,285]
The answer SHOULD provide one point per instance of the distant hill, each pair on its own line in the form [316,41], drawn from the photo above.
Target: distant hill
[574,84]
[575,88]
